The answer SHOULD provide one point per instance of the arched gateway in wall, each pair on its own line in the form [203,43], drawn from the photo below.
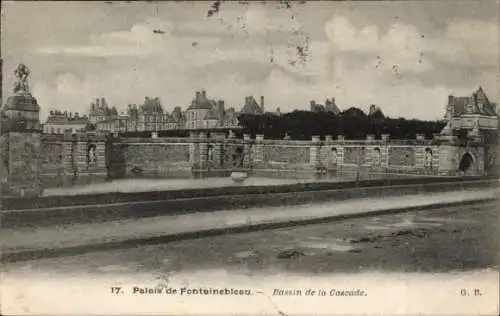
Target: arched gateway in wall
[466,162]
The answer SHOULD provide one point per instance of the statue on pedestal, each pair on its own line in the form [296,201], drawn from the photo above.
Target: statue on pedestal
[22,73]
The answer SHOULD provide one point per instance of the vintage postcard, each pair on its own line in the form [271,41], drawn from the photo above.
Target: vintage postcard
[250,158]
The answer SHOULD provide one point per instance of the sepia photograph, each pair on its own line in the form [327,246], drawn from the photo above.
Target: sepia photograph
[250,157]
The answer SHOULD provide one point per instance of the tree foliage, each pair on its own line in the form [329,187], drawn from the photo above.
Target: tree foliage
[353,123]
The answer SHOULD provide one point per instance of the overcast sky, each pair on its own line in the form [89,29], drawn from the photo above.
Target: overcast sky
[405,57]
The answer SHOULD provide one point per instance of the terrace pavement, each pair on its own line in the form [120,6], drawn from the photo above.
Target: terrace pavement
[67,236]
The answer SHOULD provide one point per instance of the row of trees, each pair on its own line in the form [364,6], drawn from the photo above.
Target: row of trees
[353,123]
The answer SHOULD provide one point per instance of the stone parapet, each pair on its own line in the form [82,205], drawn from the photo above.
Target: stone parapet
[217,152]
[202,136]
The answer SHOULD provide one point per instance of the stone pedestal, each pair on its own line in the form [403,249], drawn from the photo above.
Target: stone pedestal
[80,157]
[219,150]
[384,155]
[247,151]
[447,159]
[326,156]
[203,150]
[100,165]
[258,151]
[420,157]
[25,164]
[314,151]
[68,163]
[194,150]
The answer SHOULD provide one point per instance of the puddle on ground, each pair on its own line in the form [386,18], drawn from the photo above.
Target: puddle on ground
[375,227]
[427,224]
[446,220]
[404,223]
[245,254]
[316,238]
[326,246]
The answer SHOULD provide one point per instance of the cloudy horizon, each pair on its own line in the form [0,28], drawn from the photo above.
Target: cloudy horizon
[405,57]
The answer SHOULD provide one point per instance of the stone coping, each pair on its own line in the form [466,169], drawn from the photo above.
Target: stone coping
[276,142]
[13,203]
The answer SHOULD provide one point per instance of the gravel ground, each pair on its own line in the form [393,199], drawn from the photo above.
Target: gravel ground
[436,240]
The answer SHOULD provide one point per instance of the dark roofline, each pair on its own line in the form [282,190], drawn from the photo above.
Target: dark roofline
[67,122]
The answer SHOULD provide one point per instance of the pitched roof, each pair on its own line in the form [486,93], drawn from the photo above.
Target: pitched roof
[251,106]
[173,119]
[177,114]
[230,116]
[201,102]
[484,105]
[477,103]
[151,106]
[213,114]
[460,104]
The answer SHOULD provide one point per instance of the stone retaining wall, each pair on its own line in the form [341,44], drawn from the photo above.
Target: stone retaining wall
[204,152]
[86,153]
[276,196]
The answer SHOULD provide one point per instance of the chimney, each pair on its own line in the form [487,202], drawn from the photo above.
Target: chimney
[197,95]
[450,99]
[262,103]
[220,108]
[204,93]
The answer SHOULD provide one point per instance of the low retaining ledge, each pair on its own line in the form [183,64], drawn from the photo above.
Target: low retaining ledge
[18,203]
[162,207]
[35,254]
